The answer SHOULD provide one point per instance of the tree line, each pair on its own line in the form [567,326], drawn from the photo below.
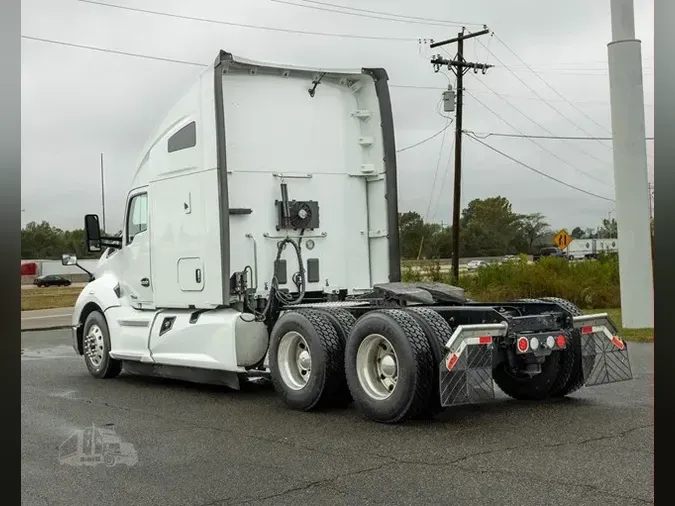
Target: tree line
[47,242]
[489,227]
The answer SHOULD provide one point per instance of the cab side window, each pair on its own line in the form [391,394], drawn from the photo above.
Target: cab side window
[137,216]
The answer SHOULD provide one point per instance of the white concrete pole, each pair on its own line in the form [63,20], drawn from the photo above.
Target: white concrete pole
[630,168]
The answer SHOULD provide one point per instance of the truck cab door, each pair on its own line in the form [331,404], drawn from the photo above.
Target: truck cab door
[137,278]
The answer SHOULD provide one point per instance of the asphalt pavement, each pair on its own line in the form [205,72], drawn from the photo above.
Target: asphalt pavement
[209,446]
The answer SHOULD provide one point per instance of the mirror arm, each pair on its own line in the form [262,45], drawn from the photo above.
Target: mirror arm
[91,276]
[111,242]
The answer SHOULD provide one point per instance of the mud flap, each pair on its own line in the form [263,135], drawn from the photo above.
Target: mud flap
[466,373]
[470,380]
[604,354]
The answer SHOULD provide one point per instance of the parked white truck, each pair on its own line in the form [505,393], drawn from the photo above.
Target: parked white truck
[260,238]
[591,248]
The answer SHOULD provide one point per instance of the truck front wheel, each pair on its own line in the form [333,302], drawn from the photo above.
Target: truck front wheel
[96,345]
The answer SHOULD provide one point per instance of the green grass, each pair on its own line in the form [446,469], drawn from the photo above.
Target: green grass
[640,335]
[33,299]
[593,286]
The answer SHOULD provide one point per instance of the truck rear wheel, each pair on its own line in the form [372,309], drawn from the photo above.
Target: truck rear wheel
[437,332]
[96,346]
[306,359]
[530,388]
[343,322]
[389,366]
[572,353]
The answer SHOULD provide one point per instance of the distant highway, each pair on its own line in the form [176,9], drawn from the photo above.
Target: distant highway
[31,287]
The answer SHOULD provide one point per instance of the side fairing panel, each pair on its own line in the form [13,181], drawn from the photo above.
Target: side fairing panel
[185,225]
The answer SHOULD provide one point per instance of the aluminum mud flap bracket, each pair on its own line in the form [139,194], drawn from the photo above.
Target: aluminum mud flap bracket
[604,355]
[466,371]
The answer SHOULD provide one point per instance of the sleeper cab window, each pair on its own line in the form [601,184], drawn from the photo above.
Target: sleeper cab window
[184,138]
[137,219]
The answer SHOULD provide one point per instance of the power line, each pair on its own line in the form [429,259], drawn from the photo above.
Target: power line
[246,25]
[547,84]
[529,167]
[542,98]
[539,145]
[112,51]
[556,137]
[186,62]
[445,176]
[371,16]
[570,72]
[425,140]
[571,69]
[540,125]
[446,22]
[438,166]
[516,97]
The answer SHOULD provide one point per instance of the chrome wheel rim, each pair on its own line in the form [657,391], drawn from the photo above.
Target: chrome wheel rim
[377,367]
[94,345]
[295,360]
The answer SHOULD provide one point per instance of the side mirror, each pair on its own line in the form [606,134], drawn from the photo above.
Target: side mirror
[92,233]
[68,259]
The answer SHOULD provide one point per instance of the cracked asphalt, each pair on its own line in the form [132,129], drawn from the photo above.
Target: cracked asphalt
[200,446]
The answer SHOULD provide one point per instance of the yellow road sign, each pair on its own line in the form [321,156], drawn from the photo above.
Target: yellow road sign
[562,239]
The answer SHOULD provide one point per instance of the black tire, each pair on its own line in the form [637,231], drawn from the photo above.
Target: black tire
[107,367]
[530,388]
[576,379]
[437,332]
[327,357]
[412,392]
[109,459]
[343,322]
[555,374]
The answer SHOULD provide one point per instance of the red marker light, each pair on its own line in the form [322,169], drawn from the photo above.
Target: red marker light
[587,330]
[451,363]
[616,340]
[484,340]
[560,341]
[523,344]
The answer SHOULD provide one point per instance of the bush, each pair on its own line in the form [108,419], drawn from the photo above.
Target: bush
[591,284]
[424,270]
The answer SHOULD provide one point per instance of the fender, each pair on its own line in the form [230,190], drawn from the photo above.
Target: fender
[98,295]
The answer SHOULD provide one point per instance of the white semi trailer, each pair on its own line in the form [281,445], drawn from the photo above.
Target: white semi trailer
[591,248]
[260,238]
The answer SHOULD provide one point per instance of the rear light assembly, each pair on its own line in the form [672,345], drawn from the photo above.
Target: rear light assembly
[534,342]
[523,344]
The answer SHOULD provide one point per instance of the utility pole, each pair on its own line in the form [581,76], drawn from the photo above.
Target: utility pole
[631,183]
[102,194]
[459,67]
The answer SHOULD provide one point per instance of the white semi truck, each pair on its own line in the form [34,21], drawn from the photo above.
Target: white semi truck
[260,238]
[591,248]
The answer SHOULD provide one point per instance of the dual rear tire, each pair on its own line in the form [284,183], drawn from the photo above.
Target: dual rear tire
[386,361]
[561,374]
